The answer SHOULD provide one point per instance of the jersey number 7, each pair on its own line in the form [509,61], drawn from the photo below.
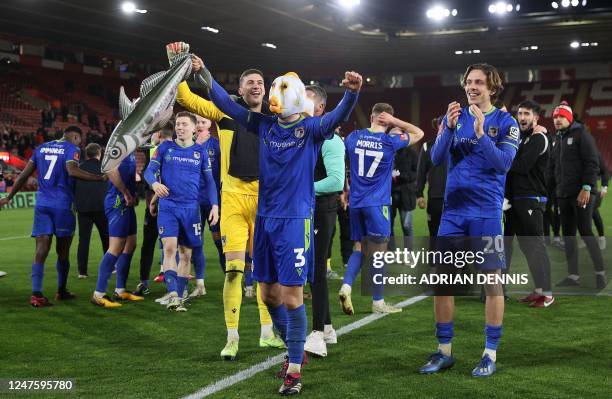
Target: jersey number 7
[53,159]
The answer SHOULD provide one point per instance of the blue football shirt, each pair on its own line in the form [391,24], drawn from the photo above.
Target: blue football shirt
[127,171]
[55,186]
[371,157]
[477,168]
[181,168]
[287,153]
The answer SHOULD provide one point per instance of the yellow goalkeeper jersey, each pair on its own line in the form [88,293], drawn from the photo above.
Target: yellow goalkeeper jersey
[208,110]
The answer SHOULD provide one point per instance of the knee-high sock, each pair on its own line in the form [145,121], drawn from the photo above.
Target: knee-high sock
[248,276]
[123,269]
[105,270]
[296,334]
[62,267]
[264,315]
[492,336]
[279,318]
[181,284]
[232,292]
[377,289]
[221,254]
[199,262]
[38,272]
[445,332]
[352,268]
[171,278]
[248,272]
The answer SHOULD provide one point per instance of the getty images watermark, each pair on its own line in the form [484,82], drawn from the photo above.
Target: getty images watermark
[451,268]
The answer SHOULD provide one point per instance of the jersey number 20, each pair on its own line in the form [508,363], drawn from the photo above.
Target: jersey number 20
[368,153]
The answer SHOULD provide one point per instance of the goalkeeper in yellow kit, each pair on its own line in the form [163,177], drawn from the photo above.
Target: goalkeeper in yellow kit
[239,193]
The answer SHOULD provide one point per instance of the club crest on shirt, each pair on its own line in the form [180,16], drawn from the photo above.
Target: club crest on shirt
[161,229]
[570,140]
[196,155]
[299,132]
[493,130]
[211,152]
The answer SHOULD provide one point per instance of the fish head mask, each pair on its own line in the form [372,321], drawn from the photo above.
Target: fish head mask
[288,96]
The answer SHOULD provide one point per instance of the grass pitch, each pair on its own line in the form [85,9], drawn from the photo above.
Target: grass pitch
[144,351]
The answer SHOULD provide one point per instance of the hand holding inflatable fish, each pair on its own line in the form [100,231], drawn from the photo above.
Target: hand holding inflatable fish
[148,113]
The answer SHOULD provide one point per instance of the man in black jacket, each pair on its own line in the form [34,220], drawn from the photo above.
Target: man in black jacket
[526,192]
[573,171]
[403,193]
[435,177]
[89,201]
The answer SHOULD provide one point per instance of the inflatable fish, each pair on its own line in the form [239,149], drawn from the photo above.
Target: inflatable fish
[147,114]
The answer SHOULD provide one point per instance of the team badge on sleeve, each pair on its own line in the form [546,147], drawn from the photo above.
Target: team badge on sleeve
[514,133]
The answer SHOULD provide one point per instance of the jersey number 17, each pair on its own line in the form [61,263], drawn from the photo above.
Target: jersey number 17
[368,153]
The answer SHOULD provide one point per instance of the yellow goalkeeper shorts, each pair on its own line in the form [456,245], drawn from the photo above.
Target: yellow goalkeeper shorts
[237,221]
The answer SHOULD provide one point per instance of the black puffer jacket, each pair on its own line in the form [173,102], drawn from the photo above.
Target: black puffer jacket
[574,161]
[403,188]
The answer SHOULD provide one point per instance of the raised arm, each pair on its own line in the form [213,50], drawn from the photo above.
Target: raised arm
[414,132]
[499,156]
[352,82]
[442,145]
[225,103]
[196,104]
[218,95]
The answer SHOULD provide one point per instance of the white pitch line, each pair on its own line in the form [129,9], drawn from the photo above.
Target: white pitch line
[13,238]
[271,361]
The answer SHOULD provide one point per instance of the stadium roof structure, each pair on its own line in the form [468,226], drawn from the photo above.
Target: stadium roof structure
[321,36]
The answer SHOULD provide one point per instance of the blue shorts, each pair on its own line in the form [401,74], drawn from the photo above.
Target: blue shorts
[182,223]
[283,251]
[121,221]
[372,221]
[205,211]
[483,234]
[50,221]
